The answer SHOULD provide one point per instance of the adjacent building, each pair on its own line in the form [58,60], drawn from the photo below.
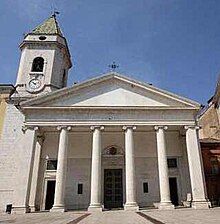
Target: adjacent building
[209,121]
[108,142]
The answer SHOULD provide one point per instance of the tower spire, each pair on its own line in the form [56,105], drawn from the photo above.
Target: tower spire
[49,27]
[47,50]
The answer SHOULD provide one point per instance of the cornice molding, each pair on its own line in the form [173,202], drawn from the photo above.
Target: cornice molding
[114,76]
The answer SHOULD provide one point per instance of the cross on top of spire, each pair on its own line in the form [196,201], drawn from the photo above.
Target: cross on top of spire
[55,13]
[113,66]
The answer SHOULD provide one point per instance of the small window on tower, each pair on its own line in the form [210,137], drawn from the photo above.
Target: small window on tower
[64,78]
[38,65]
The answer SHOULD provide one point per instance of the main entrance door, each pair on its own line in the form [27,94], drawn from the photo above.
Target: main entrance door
[173,190]
[113,188]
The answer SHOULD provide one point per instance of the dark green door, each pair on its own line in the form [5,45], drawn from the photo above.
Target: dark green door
[113,188]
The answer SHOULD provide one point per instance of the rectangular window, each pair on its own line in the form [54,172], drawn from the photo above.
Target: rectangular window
[172,163]
[214,165]
[80,189]
[52,164]
[145,187]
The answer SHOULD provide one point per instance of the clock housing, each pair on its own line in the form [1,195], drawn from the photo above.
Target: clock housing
[36,83]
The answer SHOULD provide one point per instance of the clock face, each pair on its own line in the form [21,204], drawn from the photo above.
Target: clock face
[35,84]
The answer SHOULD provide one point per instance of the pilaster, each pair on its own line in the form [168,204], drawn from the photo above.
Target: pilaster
[198,186]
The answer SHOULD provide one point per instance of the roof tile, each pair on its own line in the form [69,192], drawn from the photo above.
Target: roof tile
[49,26]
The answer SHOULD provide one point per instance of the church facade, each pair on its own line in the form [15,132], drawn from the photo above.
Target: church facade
[109,142]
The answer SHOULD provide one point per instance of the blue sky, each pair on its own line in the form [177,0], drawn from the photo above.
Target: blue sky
[173,44]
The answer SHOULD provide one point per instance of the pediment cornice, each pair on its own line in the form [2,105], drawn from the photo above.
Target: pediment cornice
[60,94]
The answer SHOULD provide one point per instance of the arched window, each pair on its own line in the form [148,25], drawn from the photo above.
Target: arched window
[38,65]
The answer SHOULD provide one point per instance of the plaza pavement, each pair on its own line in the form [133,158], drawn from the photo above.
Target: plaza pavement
[185,216]
[150,216]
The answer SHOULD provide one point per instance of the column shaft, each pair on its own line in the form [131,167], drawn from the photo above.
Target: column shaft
[196,169]
[59,204]
[165,202]
[131,203]
[95,202]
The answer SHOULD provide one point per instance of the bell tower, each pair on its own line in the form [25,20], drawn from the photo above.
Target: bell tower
[45,60]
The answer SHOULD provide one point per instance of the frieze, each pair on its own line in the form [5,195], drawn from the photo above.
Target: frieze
[109,115]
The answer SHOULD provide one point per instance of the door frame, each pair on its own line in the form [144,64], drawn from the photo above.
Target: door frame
[123,181]
[113,162]
[103,193]
[45,191]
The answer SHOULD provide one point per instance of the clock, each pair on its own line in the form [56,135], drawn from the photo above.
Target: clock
[34,84]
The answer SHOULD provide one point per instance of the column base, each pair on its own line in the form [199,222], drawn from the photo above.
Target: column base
[58,209]
[95,208]
[131,206]
[20,210]
[165,206]
[32,209]
[201,204]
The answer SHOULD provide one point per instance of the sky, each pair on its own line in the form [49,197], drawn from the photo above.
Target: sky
[173,44]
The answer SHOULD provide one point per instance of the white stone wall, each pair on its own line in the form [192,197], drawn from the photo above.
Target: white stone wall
[8,163]
[15,155]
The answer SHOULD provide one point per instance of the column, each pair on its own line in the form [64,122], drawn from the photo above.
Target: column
[131,203]
[35,172]
[196,168]
[59,204]
[95,201]
[165,202]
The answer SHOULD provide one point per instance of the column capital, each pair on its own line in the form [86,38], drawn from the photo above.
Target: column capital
[68,128]
[100,127]
[129,127]
[40,138]
[24,128]
[160,127]
[196,127]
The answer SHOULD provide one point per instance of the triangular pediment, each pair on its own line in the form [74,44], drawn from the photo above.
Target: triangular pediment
[111,90]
